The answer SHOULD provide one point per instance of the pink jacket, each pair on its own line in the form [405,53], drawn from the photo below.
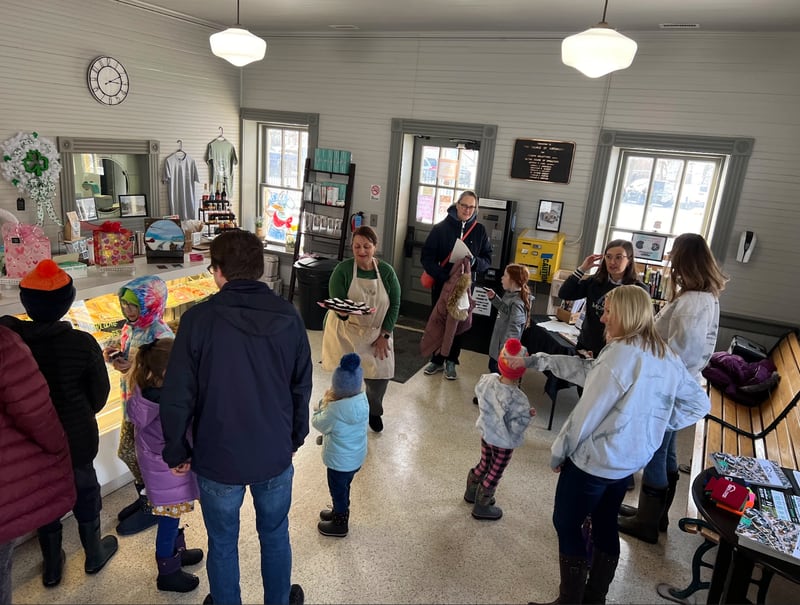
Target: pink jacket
[36,481]
[446,319]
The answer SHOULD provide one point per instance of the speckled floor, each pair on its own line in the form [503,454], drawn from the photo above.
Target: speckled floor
[412,539]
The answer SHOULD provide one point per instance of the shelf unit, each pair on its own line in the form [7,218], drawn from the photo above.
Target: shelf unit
[216,217]
[323,227]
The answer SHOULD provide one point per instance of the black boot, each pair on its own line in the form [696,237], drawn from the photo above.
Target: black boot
[573,572]
[296,595]
[336,527]
[375,423]
[172,578]
[191,556]
[141,519]
[133,506]
[601,574]
[483,508]
[98,551]
[663,523]
[645,524]
[53,556]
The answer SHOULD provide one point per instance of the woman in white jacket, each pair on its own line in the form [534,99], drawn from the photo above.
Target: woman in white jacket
[634,391]
[689,323]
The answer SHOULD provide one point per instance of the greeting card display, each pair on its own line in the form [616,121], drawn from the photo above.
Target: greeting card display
[113,245]
[25,245]
[164,240]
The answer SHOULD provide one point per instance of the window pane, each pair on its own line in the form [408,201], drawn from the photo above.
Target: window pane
[282,214]
[468,161]
[444,199]
[430,165]
[425,199]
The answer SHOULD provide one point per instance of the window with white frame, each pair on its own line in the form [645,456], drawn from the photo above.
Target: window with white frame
[665,177]
[662,192]
[283,152]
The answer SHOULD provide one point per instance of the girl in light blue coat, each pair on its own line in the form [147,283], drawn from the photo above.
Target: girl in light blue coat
[342,416]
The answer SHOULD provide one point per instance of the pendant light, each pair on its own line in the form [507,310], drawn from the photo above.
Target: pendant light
[598,50]
[236,45]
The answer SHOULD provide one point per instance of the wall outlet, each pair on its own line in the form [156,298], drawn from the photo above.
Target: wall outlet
[373,220]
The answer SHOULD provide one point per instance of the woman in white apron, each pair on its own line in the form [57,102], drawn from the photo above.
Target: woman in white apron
[364,278]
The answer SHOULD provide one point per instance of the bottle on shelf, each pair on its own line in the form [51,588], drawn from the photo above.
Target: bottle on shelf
[205,195]
[224,193]
[217,194]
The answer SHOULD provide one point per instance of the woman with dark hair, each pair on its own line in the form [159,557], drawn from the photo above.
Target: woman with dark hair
[688,323]
[366,279]
[615,267]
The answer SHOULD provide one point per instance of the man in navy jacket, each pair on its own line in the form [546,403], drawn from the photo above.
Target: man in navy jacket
[240,377]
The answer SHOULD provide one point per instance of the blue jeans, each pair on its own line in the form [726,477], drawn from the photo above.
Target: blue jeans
[664,461]
[339,486]
[579,494]
[220,504]
[166,536]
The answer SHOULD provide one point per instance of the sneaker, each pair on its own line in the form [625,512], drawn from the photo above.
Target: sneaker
[432,368]
[375,423]
[450,370]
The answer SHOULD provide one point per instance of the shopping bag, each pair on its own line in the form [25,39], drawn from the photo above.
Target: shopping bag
[25,245]
[426,280]
[113,245]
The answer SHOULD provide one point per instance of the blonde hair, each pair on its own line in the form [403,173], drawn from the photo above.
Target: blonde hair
[632,306]
[520,275]
[151,363]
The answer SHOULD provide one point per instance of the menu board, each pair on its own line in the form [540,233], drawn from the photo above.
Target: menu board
[548,161]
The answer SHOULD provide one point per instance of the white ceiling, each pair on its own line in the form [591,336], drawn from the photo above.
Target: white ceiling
[534,16]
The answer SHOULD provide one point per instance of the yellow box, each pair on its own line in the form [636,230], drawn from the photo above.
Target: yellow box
[540,253]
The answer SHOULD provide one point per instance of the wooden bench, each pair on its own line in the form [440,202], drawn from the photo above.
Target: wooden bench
[770,430]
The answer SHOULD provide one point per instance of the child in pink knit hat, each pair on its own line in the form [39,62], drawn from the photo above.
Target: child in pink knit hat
[504,414]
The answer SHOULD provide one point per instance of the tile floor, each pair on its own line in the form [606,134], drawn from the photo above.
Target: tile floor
[412,539]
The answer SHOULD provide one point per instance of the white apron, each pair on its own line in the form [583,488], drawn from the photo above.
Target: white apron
[357,334]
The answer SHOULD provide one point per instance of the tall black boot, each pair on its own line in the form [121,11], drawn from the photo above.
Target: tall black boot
[645,524]
[53,556]
[663,523]
[601,573]
[172,578]
[337,527]
[133,506]
[573,572]
[98,550]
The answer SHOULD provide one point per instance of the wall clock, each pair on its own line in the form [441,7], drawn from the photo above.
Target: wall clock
[108,80]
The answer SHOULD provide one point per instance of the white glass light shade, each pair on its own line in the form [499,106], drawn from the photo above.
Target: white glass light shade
[238,46]
[598,51]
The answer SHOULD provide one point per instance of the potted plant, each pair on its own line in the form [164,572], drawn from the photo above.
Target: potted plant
[260,226]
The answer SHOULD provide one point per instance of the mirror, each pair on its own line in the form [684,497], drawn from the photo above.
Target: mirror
[96,172]
[104,179]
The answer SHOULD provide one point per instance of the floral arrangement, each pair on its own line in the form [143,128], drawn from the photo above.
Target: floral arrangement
[32,165]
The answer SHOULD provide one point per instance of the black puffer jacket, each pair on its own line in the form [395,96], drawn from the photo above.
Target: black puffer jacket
[72,363]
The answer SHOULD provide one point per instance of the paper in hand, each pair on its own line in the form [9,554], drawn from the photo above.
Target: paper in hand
[459,252]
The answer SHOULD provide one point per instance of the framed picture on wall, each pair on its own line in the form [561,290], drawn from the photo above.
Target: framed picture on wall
[87,211]
[549,217]
[133,205]
[648,246]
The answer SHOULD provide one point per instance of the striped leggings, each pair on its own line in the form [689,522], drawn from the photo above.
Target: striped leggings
[493,462]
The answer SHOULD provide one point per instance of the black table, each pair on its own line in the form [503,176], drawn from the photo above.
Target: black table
[733,568]
[538,340]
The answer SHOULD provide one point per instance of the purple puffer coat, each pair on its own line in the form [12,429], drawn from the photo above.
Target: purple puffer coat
[163,488]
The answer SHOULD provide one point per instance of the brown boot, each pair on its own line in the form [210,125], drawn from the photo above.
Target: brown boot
[601,574]
[483,508]
[645,524]
[573,572]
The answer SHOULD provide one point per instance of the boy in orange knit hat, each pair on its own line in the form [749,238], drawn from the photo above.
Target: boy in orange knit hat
[504,414]
[72,364]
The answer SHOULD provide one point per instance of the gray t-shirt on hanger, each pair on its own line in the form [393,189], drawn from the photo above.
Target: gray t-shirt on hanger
[180,175]
[221,157]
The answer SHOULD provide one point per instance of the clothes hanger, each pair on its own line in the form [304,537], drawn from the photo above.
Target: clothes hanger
[221,136]
[180,153]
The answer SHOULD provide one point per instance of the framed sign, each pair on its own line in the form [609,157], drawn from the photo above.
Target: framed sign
[87,211]
[133,205]
[549,217]
[548,161]
[649,246]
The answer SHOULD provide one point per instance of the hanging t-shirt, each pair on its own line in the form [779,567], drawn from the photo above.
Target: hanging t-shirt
[221,157]
[180,175]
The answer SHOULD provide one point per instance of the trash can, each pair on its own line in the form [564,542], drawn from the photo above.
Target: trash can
[313,275]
